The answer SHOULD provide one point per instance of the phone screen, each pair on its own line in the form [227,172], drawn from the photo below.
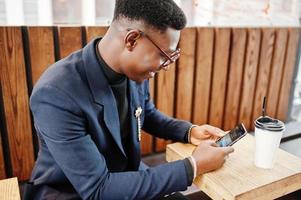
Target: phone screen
[234,135]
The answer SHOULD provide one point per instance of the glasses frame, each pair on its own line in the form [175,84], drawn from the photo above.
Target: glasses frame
[169,58]
[174,55]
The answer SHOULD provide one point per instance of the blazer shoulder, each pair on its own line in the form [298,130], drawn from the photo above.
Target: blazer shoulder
[66,75]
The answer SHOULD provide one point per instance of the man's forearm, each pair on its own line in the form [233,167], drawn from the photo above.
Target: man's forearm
[163,126]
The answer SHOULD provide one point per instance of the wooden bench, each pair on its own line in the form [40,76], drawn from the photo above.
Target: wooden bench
[220,79]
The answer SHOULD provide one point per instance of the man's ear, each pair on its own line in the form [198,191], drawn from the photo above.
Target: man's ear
[131,39]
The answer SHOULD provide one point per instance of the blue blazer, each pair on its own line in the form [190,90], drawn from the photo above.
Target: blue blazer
[81,153]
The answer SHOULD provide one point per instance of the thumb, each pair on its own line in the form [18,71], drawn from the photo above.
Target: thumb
[228,150]
[212,143]
[215,131]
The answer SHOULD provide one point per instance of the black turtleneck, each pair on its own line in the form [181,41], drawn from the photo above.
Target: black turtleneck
[118,83]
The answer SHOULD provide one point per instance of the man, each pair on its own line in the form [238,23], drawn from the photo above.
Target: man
[89,108]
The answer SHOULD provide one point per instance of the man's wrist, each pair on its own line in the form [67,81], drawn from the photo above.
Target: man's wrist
[194,166]
[189,133]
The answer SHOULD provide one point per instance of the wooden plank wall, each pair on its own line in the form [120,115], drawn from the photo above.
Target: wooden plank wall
[15,102]
[2,166]
[220,79]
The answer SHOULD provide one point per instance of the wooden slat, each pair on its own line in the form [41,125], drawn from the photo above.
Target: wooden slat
[165,91]
[249,77]
[288,73]
[185,74]
[238,47]
[2,165]
[267,44]
[165,98]
[147,139]
[276,71]
[93,32]
[203,67]
[219,79]
[41,46]
[152,88]
[70,40]
[146,144]
[15,101]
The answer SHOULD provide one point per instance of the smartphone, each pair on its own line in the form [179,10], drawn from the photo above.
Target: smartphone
[233,136]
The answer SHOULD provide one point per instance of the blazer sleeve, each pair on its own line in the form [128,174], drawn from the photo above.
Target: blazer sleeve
[62,125]
[161,125]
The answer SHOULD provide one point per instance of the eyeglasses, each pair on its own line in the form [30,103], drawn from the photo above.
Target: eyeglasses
[169,59]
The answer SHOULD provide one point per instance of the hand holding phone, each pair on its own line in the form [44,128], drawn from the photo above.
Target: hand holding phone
[233,136]
[209,157]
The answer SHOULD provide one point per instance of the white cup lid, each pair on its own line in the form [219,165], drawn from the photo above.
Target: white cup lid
[268,123]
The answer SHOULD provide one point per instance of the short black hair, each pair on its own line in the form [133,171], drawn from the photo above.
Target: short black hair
[160,14]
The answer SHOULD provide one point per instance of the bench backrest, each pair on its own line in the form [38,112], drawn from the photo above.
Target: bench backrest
[221,78]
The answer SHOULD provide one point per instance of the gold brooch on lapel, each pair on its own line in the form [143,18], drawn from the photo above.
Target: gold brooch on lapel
[138,112]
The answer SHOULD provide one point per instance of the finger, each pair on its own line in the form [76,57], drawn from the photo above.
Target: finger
[215,131]
[228,150]
[225,132]
[214,144]
[211,142]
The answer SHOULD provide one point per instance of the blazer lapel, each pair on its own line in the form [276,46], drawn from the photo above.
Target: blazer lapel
[102,92]
[134,104]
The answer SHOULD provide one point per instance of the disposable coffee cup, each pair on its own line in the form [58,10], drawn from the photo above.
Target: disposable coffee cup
[268,133]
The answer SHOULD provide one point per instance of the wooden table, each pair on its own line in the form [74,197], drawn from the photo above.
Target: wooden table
[239,178]
[9,189]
